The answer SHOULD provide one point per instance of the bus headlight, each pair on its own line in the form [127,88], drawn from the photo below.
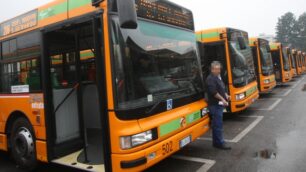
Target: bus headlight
[240,96]
[128,142]
[204,111]
[266,81]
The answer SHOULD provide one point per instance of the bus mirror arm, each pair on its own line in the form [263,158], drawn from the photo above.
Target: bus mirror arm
[127,14]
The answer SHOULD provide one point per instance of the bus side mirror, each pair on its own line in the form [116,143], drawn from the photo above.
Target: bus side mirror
[242,43]
[127,14]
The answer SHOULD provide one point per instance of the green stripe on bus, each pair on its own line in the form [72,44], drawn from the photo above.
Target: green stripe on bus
[176,124]
[63,7]
[78,3]
[52,11]
[251,91]
[199,37]
[170,127]
[87,54]
[273,46]
[210,35]
[193,117]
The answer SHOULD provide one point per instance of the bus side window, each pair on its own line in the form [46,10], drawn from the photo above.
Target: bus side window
[21,65]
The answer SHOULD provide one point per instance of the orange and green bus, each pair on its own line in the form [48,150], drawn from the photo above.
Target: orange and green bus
[281,62]
[296,59]
[100,85]
[300,61]
[292,63]
[230,47]
[263,64]
[304,62]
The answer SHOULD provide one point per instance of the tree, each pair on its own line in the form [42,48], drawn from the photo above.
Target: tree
[301,40]
[287,29]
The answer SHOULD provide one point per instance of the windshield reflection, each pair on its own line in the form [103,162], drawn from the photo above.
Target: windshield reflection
[154,63]
[243,71]
[266,59]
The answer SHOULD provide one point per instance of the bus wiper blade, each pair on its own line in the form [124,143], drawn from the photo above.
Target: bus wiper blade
[190,80]
[152,109]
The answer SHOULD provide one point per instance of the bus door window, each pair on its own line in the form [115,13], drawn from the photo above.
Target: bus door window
[277,64]
[215,52]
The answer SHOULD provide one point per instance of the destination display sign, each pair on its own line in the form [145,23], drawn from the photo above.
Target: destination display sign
[165,12]
[19,23]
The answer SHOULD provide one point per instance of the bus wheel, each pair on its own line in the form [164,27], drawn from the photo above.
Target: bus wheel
[22,141]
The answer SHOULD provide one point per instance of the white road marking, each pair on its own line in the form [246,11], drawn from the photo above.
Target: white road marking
[243,133]
[204,168]
[270,108]
[287,93]
[296,84]
[248,129]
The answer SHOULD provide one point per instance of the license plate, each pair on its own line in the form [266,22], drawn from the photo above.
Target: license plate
[185,141]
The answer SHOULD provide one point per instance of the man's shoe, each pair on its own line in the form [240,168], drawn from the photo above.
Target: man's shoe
[222,147]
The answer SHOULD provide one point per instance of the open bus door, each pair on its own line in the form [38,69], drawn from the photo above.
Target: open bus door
[76,104]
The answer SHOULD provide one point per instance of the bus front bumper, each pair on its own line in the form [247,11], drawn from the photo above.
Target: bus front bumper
[141,160]
[267,88]
[238,106]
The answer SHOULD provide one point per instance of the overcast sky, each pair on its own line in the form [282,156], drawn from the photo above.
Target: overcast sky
[256,16]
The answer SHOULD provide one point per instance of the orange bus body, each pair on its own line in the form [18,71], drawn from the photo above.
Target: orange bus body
[176,124]
[266,82]
[282,74]
[220,36]
[297,58]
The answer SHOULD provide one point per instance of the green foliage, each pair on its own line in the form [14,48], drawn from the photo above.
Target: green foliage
[291,31]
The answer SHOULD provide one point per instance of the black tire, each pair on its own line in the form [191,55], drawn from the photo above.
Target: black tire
[22,140]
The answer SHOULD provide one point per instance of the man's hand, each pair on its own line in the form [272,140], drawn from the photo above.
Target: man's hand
[225,103]
[228,98]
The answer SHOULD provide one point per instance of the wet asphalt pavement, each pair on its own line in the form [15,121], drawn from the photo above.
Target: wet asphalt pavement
[269,136]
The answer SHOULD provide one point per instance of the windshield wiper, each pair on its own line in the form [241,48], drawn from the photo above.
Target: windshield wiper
[187,79]
[152,109]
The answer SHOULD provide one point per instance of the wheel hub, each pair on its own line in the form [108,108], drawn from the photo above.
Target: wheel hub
[24,143]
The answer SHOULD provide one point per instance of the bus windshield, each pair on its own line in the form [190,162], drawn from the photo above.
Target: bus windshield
[300,60]
[286,60]
[154,63]
[266,59]
[241,61]
[293,61]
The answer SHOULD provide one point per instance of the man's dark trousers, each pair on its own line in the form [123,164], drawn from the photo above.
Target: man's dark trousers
[216,113]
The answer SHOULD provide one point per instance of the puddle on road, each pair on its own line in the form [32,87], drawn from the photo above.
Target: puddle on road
[265,154]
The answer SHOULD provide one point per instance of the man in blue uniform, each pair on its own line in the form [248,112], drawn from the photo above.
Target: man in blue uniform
[217,100]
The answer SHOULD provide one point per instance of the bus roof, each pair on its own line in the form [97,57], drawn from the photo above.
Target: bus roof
[53,12]
[253,40]
[213,34]
[275,46]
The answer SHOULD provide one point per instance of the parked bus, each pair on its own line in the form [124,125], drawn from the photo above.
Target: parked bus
[230,47]
[281,62]
[132,101]
[292,63]
[304,62]
[301,63]
[296,58]
[263,64]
